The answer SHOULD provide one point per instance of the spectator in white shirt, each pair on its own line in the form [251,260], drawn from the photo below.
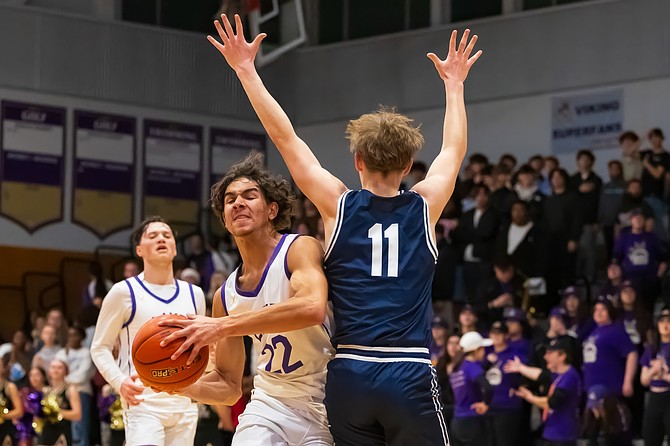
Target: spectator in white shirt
[81,370]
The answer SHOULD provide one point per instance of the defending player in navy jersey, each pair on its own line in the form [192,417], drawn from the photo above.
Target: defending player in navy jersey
[381,386]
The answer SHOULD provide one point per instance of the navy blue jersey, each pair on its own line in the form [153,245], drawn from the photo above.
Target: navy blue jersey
[380,264]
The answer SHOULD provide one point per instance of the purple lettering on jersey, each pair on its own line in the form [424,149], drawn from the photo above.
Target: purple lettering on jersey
[271,347]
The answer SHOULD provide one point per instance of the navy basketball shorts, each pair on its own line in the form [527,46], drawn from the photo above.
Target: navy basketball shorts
[380,403]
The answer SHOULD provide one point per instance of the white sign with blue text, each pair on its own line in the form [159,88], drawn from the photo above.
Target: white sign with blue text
[586,121]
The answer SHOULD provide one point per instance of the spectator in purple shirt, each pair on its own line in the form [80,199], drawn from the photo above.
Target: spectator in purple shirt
[610,358]
[472,393]
[506,410]
[444,369]
[606,416]
[638,324]
[467,319]
[612,286]
[561,404]
[635,318]
[558,321]
[438,328]
[655,374]
[642,258]
[518,342]
[579,323]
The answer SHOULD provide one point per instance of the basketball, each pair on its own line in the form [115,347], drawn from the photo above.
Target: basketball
[153,364]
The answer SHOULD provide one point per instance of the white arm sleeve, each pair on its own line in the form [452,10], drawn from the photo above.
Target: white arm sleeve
[115,311]
[200,304]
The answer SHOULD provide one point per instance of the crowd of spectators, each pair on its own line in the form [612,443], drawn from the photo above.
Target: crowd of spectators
[549,301]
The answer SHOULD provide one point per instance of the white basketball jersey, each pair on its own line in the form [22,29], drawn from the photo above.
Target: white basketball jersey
[290,364]
[148,301]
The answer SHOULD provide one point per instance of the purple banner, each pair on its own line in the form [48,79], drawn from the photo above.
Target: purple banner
[237,139]
[172,130]
[109,168]
[31,168]
[104,176]
[104,122]
[229,146]
[178,173]
[172,183]
[39,114]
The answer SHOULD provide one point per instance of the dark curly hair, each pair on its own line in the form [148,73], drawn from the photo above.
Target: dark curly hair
[274,188]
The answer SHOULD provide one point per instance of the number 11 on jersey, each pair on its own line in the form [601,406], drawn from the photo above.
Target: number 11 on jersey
[391,234]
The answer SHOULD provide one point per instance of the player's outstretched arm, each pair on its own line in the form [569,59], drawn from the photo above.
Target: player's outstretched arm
[439,183]
[319,185]
[306,307]
[222,385]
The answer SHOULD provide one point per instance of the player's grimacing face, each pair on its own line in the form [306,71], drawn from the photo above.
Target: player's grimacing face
[157,242]
[245,208]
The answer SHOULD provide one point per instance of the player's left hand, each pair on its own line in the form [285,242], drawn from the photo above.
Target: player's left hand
[197,331]
[627,390]
[456,66]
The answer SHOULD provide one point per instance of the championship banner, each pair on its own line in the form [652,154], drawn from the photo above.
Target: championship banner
[172,165]
[103,185]
[587,121]
[33,146]
[228,147]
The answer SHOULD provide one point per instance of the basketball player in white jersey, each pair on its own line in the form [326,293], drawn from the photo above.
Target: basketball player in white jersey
[279,297]
[150,418]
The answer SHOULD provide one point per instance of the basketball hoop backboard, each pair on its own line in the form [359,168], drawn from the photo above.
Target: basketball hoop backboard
[283,22]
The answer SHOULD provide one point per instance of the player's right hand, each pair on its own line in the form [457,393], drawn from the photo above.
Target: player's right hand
[233,46]
[456,66]
[130,389]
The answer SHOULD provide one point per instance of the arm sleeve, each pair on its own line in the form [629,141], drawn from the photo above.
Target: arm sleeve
[487,390]
[544,379]
[558,398]
[200,304]
[115,311]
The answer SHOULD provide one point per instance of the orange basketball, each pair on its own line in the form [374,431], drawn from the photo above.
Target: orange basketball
[153,363]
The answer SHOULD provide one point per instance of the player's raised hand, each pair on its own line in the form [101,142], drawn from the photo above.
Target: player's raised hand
[456,66]
[197,332]
[235,49]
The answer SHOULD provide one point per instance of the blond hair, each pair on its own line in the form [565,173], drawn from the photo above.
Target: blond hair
[385,140]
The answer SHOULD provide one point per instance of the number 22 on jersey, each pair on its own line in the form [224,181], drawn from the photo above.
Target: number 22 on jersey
[377,234]
[272,346]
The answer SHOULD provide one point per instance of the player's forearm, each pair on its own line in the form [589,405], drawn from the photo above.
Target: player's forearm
[275,121]
[214,389]
[455,131]
[293,314]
